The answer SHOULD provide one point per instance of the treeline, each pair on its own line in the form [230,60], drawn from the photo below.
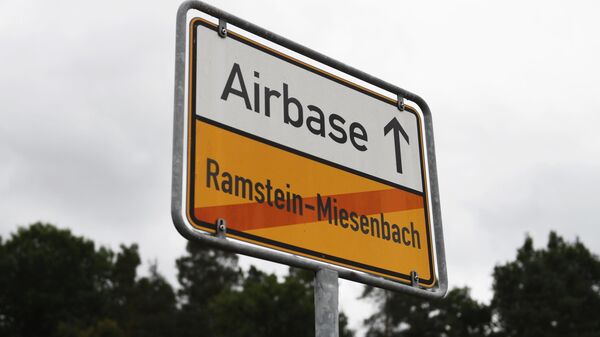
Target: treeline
[53,283]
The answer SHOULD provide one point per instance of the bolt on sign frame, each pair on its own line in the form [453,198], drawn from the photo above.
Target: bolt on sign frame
[215,231]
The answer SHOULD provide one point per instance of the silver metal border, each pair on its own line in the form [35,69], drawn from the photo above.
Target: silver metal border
[179,151]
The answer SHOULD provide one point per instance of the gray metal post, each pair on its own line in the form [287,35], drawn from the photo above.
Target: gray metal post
[326,303]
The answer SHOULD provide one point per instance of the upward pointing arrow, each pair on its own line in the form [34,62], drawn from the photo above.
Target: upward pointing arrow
[395,125]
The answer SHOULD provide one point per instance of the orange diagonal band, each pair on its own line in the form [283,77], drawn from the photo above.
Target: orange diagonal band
[249,216]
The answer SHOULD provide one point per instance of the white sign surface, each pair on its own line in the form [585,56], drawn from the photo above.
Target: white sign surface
[296,106]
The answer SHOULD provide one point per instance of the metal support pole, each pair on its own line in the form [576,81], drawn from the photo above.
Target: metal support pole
[326,303]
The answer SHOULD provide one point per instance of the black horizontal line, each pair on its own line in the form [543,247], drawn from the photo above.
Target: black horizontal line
[306,155]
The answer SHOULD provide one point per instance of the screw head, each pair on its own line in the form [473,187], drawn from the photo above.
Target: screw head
[414,277]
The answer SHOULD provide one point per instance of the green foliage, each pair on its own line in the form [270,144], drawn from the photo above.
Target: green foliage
[407,316]
[344,330]
[152,307]
[123,277]
[124,271]
[549,292]
[204,273]
[53,283]
[102,328]
[56,284]
[265,306]
[50,276]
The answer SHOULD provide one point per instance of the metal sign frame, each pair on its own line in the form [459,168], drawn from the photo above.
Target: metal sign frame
[219,240]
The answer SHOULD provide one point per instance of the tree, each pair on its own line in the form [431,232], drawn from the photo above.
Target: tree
[102,328]
[344,329]
[123,285]
[51,277]
[548,292]
[203,274]
[401,315]
[153,307]
[265,306]
[53,283]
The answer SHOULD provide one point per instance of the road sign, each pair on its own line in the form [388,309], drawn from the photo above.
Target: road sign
[298,160]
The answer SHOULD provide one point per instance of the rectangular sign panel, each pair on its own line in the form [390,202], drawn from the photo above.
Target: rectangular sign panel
[298,160]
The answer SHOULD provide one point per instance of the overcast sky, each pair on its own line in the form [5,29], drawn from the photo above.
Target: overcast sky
[86,97]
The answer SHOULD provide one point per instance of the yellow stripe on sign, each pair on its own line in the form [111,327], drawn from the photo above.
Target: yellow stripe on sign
[244,157]
[282,200]
[356,246]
